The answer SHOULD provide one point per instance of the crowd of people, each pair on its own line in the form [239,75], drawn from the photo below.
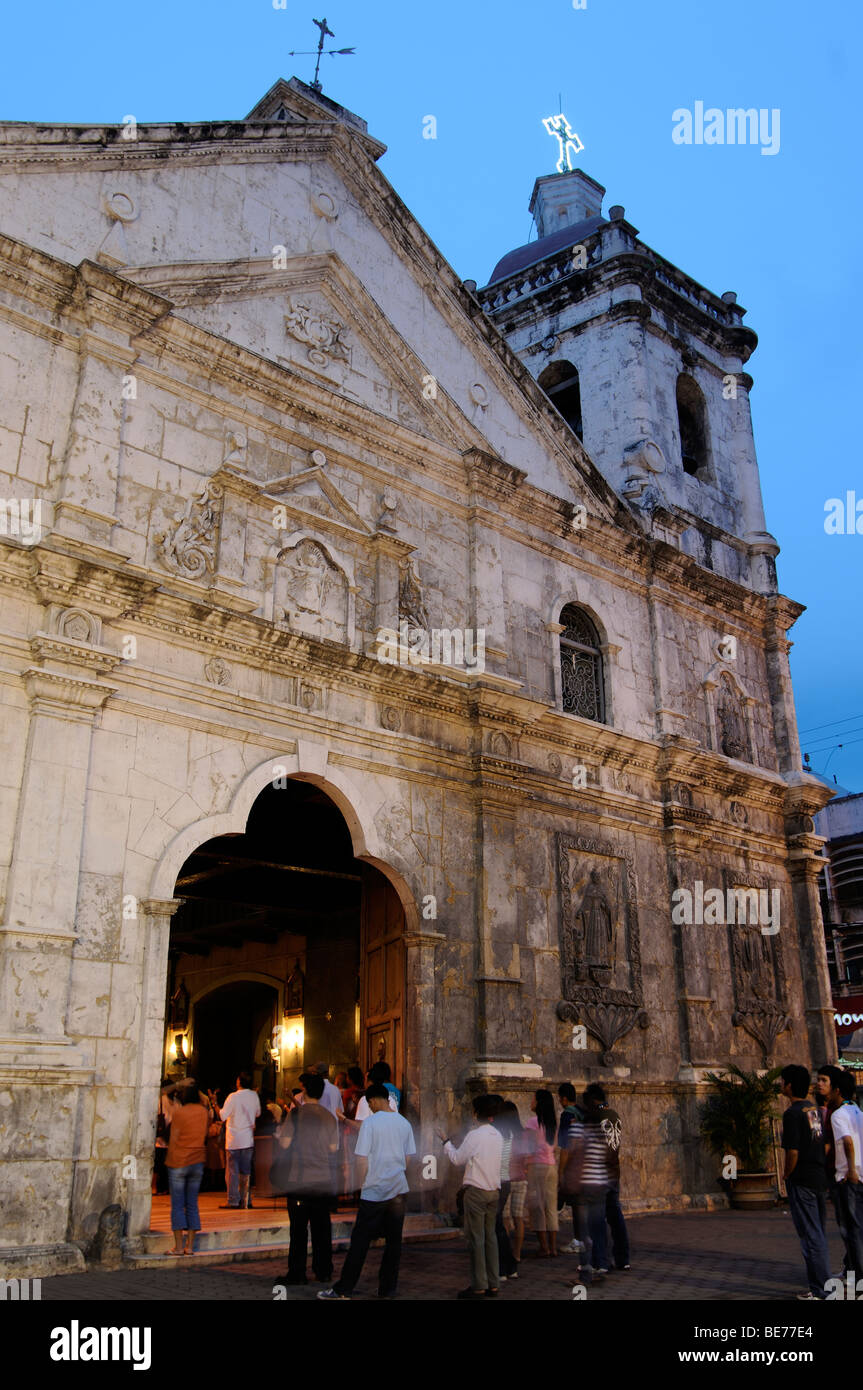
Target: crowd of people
[823,1143]
[349,1138]
[200,1134]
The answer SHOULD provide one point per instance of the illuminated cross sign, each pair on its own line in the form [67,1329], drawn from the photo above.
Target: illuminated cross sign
[570,145]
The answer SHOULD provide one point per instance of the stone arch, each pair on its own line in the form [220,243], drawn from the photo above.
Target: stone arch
[309,763]
[254,977]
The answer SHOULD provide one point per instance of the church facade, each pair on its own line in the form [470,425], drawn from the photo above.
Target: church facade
[385,660]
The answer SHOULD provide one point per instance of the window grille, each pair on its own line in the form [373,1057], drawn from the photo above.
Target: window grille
[581,666]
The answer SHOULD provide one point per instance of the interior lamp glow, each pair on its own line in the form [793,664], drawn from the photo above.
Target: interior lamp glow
[293,1035]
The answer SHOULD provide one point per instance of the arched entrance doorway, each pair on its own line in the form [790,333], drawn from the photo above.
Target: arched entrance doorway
[285,950]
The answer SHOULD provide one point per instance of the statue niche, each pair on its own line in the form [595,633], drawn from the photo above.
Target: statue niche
[311,592]
[731,722]
[600,954]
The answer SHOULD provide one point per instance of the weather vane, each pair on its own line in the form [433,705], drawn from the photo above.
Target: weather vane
[570,144]
[308,52]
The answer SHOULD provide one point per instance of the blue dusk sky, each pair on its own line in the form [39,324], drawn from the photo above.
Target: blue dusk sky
[779,229]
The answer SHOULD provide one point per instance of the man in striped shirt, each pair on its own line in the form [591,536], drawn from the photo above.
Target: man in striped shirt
[587,1179]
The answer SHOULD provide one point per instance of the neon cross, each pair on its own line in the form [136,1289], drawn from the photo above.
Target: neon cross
[570,144]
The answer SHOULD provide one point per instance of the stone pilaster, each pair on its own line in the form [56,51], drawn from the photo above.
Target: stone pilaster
[685,834]
[238,495]
[390,554]
[492,482]
[87,495]
[421,1036]
[804,866]
[155,918]
[498,978]
[38,932]
[776,652]
[804,797]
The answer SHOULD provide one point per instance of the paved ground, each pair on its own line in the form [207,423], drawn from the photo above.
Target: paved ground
[719,1256]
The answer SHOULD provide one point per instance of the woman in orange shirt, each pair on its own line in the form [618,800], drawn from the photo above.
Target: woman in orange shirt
[185,1164]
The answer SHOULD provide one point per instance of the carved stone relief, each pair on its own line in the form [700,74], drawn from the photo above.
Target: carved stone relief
[731,722]
[311,592]
[325,337]
[79,625]
[391,718]
[188,545]
[412,609]
[600,953]
[217,671]
[757,965]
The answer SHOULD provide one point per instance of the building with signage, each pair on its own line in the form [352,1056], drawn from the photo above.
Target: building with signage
[841,886]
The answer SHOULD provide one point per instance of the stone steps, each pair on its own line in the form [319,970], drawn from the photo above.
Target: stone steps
[154,1249]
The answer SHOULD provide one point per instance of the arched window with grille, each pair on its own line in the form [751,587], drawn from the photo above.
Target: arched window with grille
[692,423]
[560,383]
[581,670]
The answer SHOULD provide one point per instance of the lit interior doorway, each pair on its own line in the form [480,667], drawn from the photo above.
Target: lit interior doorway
[285,951]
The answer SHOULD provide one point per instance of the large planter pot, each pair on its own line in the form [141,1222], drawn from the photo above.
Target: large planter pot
[753,1191]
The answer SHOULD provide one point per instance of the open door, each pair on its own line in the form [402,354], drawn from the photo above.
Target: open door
[382,983]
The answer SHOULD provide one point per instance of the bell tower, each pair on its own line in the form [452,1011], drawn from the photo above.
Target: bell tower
[647,367]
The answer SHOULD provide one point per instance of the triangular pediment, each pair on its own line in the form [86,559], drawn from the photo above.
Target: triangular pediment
[310,495]
[295,102]
[315,317]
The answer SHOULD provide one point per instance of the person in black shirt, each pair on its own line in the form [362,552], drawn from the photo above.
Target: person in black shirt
[806,1176]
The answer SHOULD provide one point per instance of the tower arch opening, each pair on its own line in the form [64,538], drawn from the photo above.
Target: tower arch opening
[692,426]
[560,383]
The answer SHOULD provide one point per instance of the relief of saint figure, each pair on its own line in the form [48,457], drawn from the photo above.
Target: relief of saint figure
[308,580]
[597,924]
[733,738]
[757,963]
[313,592]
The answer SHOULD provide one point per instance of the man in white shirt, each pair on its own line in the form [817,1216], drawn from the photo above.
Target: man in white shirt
[846,1123]
[240,1111]
[385,1144]
[480,1153]
[380,1074]
[332,1098]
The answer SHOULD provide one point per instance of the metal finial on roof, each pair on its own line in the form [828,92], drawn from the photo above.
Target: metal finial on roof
[309,52]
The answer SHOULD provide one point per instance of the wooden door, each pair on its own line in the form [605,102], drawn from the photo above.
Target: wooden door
[382,981]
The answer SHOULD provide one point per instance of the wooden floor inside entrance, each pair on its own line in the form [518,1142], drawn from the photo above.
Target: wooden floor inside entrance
[267,1211]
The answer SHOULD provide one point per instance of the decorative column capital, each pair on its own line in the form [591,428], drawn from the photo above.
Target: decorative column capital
[64,696]
[159,907]
[424,938]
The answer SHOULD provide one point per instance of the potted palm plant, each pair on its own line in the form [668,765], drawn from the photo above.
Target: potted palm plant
[735,1123]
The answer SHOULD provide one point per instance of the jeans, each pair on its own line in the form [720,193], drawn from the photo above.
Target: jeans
[305,1211]
[619,1233]
[375,1219]
[589,1213]
[507,1262]
[848,1205]
[480,1212]
[239,1165]
[184,1185]
[809,1213]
